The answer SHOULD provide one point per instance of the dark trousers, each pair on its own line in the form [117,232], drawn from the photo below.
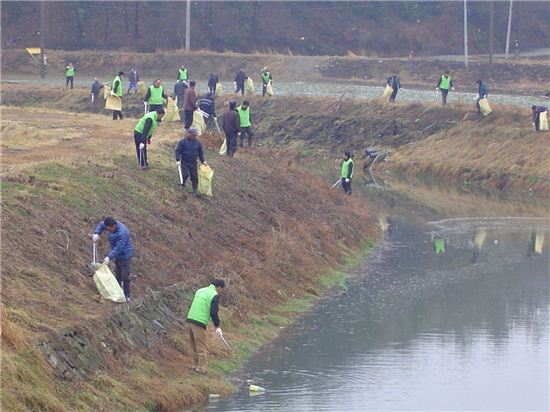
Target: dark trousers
[133,86]
[444,93]
[122,274]
[264,89]
[141,157]
[248,132]
[241,88]
[117,114]
[212,88]
[231,141]
[346,186]
[95,97]
[154,107]
[180,100]
[189,169]
[187,119]
[393,94]
[69,79]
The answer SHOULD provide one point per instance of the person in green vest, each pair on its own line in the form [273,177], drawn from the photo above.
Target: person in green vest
[183,74]
[266,79]
[116,90]
[69,75]
[439,245]
[443,84]
[143,132]
[245,126]
[155,96]
[346,173]
[203,308]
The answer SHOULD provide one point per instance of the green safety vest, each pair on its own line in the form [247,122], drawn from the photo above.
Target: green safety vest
[141,124]
[200,308]
[345,168]
[244,116]
[119,92]
[70,71]
[265,77]
[439,245]
[156,95]
[182,74]
[445,82]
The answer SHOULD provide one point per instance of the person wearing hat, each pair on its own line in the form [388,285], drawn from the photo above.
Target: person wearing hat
[537,110]
[207,105]
[116,90]
[189,104]
[187,151]
[240,78]
[143,132]
[231,127]
[204,307]
[347,173]
[266,79]
[443,84]
[155,96]
[245,126]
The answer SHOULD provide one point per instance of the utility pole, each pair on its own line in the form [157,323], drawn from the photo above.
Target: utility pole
[42,39]
[508,32]
[491,31]
[465,33]
[188,26]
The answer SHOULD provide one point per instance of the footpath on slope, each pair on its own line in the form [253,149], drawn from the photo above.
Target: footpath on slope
[279,243]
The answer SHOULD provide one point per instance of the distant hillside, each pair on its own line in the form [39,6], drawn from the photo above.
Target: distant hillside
[308,28]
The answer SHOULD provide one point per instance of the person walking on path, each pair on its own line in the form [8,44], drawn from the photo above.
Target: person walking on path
[231,127]
[69,75]
[134,79]
[189,105]
[266,79]
[537,110]
[240,78]
[179,92]
[443,84]
[143,132]
[121,250]
[207,105]
[244,120]
[395,84]
[187,152]
[183,74]
[204,307]
[95,89]
[155,96]
[483,92]
[346,173]
[116,90]
[212,83]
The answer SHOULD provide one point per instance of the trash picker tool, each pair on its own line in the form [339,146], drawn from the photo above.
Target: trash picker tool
[217,126]
[145,106]
[141,157]
[94,252]
[181,177]
[337,183]
[225,342]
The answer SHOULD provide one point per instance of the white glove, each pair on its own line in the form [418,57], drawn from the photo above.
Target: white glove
[437,89]
[95,237]
[145,104]
[106,260]
[239,133]
[347,180]
[453,89]
[485,96]
[204,163]
[219,332]
[112,93]
[141,146]
[178,162]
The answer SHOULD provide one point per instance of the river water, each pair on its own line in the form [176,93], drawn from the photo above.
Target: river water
[333,89]
[463,329]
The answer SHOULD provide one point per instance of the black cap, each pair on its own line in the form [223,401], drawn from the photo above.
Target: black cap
[121,73]
[219,283]
[347,154]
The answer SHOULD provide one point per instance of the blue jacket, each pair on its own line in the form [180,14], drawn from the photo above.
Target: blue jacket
[188,150]
[483,90]
[121,245]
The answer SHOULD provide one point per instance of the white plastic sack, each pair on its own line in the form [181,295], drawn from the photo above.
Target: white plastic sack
[107,285]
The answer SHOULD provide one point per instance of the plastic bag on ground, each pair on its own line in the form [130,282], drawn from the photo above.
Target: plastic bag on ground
[205,180]
[198,122]
[219,89]
[249,86]
[484,107]
[543,121]
[106,91]
[113,103]
[223,149]
[172,114]
[269,89]
[387,93]
[107,285]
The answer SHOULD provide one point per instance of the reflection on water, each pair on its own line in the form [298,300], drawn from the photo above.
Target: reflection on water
[422,330]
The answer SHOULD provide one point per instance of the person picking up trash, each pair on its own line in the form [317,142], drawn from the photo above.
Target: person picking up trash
[537,111]
[143,132]
[203,308]
[187,151]
[121,250]
[483,92]
[266,79]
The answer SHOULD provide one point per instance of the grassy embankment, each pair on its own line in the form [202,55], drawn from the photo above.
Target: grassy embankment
[275,232]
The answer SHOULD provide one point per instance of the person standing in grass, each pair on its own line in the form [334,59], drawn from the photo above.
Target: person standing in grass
[244,120]
[231,127]
[482,91]
[443,85]
[69,75]
[346,173]
[189,105]
[395,84]
[266,79]
[95,89]
[204,307]
[116,90]
[537,110]
[134,79]
[155,96]
[187,152]
[240,78]
[143,132]
[121,250]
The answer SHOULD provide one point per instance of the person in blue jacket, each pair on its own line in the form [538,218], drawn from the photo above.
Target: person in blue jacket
[482,91]
[187,152]
[121,250]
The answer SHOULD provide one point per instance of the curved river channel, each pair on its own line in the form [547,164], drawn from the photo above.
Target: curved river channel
[466,328]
